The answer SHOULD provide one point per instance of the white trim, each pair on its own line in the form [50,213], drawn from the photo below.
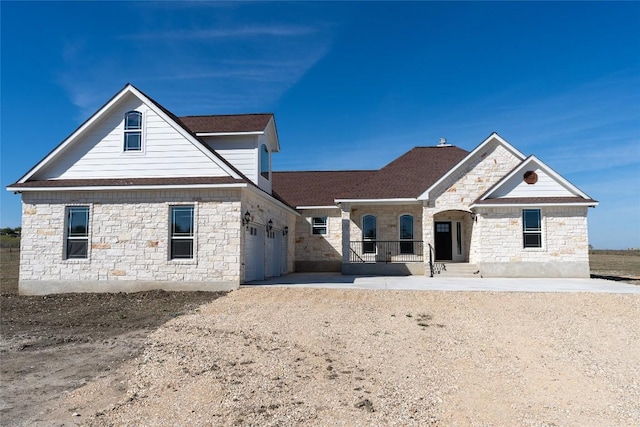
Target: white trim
[256,132]
[325,226]
[127,187]
[531,205]
[399,201]
[318,207]
[493,136]
[128,89]
[559,179]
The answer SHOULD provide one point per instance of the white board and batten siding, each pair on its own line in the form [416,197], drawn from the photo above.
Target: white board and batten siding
[100,151]
[243,152]
[547,186]
[240,151]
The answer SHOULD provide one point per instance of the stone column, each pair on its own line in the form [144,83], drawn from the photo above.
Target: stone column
[427,233]
[346,231]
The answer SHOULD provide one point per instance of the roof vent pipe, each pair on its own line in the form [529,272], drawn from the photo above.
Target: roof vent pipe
[443,143]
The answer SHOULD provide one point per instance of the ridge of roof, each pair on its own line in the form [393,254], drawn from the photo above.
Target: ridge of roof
[227,115]
[328,171]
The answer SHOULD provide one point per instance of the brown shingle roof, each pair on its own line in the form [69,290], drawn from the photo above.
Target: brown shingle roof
[533,200]
[227,123]
[409,175]
[318,188]
[117,182]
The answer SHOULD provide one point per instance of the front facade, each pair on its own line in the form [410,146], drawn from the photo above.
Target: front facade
[137,198]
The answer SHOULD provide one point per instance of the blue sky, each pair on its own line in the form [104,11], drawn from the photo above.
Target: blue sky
[352,85]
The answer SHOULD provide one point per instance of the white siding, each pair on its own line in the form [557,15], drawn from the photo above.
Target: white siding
[99,154]
[240,151]
[546,186]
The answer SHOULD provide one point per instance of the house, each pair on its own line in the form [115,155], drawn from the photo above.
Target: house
[137,198]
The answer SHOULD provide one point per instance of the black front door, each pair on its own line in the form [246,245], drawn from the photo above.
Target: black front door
[443,241]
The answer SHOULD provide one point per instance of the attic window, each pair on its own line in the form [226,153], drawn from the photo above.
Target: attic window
[530,177]
[133,131]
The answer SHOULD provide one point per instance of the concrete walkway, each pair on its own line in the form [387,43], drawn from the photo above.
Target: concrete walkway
[339,281]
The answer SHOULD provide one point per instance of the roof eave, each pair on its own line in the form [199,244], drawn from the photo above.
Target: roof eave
[21,189]
[398,201]
[494,135]
[533,204]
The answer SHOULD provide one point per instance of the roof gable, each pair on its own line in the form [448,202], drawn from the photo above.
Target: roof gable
[532,179]
[493,138]
[55,159]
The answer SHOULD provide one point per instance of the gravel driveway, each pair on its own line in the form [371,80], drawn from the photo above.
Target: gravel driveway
[283,356]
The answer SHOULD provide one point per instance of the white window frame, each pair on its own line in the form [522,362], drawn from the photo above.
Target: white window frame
[318,227]
[128,131]
[67,233]
[191,236]
[532,231]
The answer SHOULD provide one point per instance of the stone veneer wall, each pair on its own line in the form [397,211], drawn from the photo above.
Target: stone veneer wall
[129,242]
[565,246]
[461,189]
[315,252]
[262,210]
[387,221]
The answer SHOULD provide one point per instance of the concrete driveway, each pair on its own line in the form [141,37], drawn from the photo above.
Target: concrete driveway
[422,283]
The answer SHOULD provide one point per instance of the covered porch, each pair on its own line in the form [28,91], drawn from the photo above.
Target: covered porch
[403,239]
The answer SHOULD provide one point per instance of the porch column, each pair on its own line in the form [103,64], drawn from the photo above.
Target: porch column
[345,209]
[427,232]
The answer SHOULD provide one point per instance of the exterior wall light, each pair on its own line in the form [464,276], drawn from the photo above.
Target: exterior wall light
[270,225]
[246,219]
[286,230]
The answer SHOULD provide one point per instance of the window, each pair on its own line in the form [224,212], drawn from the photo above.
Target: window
[369,234]
[133,131]
[77,239]
[532,228]
[319,225]
[182,232]
[264,161]
[459,237]
[406,233]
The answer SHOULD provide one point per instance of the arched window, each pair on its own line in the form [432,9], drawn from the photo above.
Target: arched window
[369,234]
[264,161]
[406,233]
[133,131]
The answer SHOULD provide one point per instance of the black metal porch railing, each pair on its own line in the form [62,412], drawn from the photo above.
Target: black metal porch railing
[386,251]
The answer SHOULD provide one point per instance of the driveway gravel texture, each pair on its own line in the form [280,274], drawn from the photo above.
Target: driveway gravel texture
[335,357]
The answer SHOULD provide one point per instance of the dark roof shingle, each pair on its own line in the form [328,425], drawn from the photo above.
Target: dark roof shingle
[316,188]
[409,175]
[227,123]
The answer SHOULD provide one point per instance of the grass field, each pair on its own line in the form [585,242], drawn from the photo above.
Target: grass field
[9,266]
[620,265]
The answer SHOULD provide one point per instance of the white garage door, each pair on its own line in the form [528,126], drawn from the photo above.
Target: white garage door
[254,253]
[272,254]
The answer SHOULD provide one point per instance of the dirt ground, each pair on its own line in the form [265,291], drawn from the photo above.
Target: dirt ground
[50,345]
[318,357]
